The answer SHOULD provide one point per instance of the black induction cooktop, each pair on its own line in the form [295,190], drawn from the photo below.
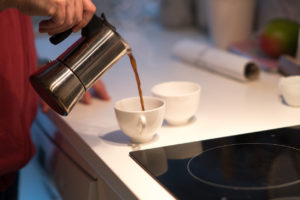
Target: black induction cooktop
[259,165]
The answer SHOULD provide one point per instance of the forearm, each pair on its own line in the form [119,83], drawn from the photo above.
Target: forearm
[5,4]
[63,14]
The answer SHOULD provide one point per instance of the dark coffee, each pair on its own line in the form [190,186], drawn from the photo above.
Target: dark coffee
[133,64]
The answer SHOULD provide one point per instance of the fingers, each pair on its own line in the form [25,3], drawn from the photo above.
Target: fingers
[101,91]
[86,98]
[78,14]
[45,107]
[88,11]
[58,20]
[68,14]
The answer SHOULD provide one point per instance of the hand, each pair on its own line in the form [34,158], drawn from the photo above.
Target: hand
[64,14]
[100,92]
[45,107]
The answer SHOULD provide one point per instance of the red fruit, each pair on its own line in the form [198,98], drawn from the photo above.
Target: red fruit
[279,37]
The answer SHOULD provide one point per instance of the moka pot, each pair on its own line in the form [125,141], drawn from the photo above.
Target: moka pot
[62,82]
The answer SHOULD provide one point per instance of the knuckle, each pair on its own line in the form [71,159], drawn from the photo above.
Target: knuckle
[51,11]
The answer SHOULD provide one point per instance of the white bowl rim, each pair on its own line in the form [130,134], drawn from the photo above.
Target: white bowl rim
[198,89]
[290,81]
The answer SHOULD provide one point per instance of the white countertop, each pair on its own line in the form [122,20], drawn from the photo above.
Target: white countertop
[227,107]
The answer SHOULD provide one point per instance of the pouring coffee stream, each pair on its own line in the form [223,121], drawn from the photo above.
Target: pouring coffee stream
[62,82]
[137,77]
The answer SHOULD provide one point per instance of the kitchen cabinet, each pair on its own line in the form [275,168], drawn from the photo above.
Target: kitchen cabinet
[70,175]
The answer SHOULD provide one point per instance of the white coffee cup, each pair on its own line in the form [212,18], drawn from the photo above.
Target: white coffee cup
[182,100]
[290,89]
[140,125]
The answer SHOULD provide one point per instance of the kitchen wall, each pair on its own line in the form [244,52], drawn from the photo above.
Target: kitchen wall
[187,13]
[270,9]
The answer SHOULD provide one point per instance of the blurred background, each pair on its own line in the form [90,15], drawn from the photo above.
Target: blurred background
[229,24]
[177,14]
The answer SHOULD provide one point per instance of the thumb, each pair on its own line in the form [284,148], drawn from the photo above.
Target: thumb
[45,107]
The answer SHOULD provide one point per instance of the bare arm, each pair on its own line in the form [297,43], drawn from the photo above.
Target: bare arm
[63,14]
[3,5]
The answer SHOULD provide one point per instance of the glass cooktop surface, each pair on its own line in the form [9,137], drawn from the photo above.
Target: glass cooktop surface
[259,165]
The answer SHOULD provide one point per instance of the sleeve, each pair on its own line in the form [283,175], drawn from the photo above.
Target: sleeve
[12,133]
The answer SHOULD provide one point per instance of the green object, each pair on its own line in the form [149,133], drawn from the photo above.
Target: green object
[279,36]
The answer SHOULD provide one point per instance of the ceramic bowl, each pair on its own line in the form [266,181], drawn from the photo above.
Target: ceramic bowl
[182,100]
[290,89]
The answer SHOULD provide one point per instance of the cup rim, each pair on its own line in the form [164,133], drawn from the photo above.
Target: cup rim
[116,107]
[155,92]
[288,81]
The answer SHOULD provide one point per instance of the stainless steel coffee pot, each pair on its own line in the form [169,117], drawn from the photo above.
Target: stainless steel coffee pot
[62,82]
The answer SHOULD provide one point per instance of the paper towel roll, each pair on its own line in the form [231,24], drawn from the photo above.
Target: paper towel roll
[217,60]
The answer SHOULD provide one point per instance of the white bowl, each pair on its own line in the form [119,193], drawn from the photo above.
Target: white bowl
[182,100]
[290,89]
